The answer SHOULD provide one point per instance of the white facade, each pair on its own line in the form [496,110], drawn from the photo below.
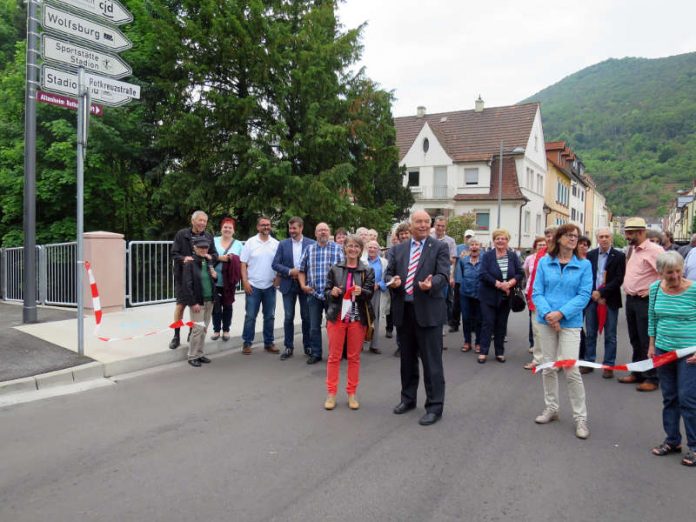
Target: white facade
[600,219]
[435,179]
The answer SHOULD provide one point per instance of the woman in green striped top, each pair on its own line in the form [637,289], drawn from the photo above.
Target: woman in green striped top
[672,325]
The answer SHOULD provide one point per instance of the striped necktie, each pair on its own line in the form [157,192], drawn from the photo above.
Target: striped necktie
[412,265]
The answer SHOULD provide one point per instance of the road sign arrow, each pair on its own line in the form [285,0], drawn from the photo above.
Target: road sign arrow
[108,10]
[65,23]
[102,89]
[74,55]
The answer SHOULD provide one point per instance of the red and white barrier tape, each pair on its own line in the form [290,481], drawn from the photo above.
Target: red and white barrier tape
[96,304]
[640,366]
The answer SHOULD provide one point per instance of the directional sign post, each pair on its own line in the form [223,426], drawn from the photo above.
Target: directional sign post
[68,53]
[76,49]
[102,89]
[108,10]
[94,33]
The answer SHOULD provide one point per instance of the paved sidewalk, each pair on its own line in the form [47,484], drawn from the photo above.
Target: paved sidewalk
[121,356]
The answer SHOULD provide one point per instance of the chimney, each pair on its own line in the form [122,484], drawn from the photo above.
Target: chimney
[479,104]
[420,111]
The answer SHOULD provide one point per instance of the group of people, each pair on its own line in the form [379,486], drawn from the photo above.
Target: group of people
[425,280]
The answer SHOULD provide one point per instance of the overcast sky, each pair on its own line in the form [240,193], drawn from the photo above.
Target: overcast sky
[443,53]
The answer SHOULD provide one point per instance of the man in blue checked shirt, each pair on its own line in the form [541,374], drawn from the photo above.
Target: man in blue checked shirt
[314,267]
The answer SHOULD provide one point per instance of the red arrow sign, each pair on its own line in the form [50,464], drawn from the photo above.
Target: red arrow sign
[66,102]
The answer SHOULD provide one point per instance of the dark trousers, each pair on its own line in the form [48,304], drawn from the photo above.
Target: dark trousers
[456,307]
[637,322]
[426,343]
[222,314]
[289,301]
[494,320]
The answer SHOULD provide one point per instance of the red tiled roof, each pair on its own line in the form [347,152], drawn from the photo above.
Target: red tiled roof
[466,133]
[511,188]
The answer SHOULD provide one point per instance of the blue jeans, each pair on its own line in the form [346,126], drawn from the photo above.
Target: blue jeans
[592,325]
[471,318]
[316,307]
[267,297]
[678,384]
[289,301]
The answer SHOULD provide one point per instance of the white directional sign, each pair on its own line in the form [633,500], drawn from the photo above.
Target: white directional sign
[109,10]
[102,89]
[77,56]
[77,27]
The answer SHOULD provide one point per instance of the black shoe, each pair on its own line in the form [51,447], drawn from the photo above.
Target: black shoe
[429,418]
[287,353]
[174,343]
[375,350]
[403,407]
[204,359]
[397,352]
[388,334]
[307,351]
[195,362]
[313,359]
[453,329]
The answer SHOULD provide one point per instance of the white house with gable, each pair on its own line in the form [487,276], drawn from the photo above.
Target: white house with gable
[453,167]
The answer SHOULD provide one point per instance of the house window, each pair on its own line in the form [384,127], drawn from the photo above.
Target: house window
[582,217]
[575,191]
[539,229]
[582,195]
[572,214]
[414,178]
[471,176]
[426,144]
[540,184]
[483,218]
[527,221]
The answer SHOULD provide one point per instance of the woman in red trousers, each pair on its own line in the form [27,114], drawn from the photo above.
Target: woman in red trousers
[348,295]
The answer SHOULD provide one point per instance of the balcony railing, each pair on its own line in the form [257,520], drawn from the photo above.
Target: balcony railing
[433,192]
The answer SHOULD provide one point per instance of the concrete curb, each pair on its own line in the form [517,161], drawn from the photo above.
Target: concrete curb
[67,376]
[96,370]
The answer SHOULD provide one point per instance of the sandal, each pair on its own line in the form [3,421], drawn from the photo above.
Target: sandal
[215,336]
[466,347]
[482,359]
[477,348]
[500,358]
[665,449]
[689,459]
[225,336]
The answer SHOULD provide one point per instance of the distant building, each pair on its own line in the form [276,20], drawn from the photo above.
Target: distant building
[453,162]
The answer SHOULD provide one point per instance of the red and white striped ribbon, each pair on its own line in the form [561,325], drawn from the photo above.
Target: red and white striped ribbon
[639,366]
[96,304]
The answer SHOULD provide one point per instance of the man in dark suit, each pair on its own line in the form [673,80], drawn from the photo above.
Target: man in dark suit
[419,271]
[286,263]
[608,268]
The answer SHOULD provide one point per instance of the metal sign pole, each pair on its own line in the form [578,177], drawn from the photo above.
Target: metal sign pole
[81,142]
[29,314]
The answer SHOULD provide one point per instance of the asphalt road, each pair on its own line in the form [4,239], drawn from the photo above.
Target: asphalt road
[246,438]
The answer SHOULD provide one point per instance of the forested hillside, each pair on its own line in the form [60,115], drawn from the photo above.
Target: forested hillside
[633,123]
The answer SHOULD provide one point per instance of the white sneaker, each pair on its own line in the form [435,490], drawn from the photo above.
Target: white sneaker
[581,429]
[546,416]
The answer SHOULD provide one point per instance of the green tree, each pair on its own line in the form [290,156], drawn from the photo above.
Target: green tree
[458,225]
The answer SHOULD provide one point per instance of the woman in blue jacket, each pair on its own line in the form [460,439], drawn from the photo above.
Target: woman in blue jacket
[500,271]
[562,289]
[468,271]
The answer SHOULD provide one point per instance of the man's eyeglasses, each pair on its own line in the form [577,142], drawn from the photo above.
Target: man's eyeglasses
[571,236]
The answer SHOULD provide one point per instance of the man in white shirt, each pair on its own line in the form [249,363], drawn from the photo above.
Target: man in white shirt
[257,279]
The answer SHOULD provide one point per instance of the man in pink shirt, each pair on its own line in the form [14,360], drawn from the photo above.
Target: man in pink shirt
[641,272]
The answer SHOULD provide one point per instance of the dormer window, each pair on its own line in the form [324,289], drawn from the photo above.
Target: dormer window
[426,144]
